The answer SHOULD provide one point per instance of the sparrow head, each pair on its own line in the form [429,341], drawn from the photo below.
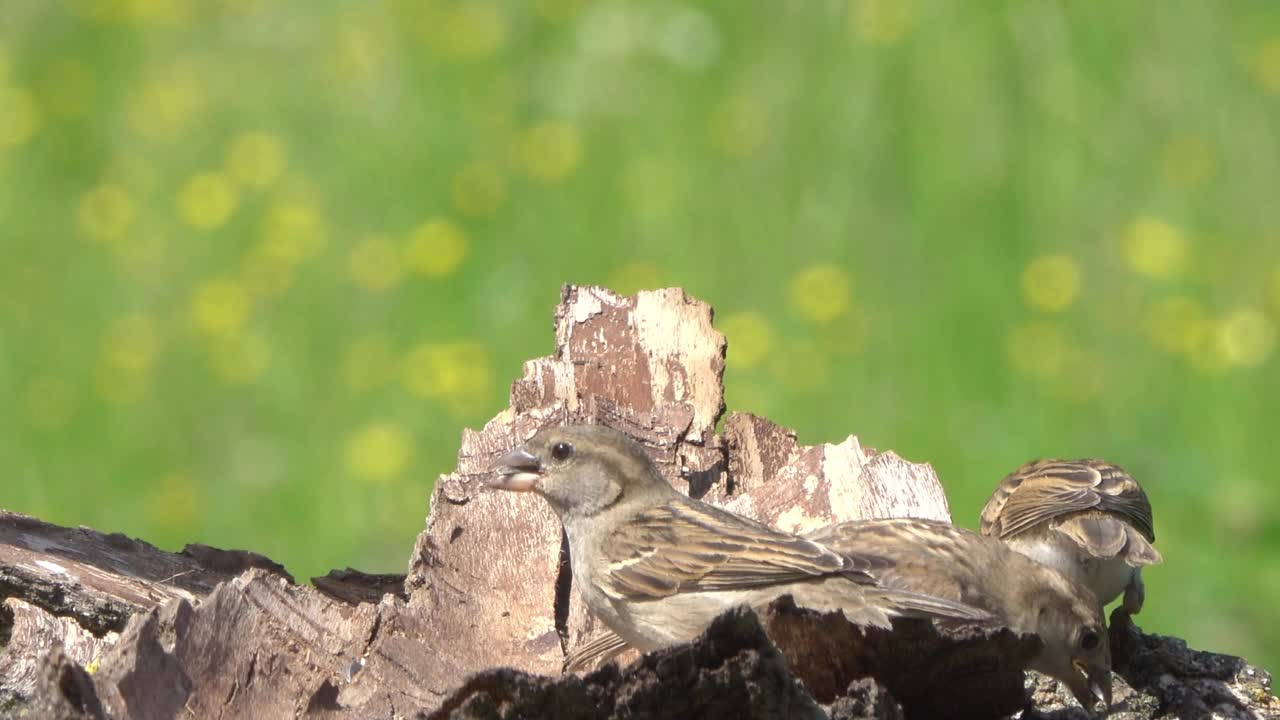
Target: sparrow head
[580,469]
[1070,622]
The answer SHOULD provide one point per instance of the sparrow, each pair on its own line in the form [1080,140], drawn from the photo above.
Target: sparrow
[941,560]
[657,566]
[1088,519]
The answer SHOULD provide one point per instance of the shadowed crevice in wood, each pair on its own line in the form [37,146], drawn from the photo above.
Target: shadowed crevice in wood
[564,590]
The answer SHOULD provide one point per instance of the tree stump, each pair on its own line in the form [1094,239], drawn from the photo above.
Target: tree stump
[105,626]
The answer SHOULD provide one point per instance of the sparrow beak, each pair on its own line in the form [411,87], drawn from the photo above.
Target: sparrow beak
[1091,682]
[518,470]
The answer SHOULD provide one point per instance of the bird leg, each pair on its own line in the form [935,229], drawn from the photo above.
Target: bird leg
[1134,594]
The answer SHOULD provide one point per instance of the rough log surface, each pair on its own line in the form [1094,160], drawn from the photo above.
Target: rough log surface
[480,625]
[34,634]
[102,579]
[774,479]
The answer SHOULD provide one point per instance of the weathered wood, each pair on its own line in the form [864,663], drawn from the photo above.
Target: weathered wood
[102,579]
[353,586]
[258,646]
[33,634]
[63,690]
[775,480]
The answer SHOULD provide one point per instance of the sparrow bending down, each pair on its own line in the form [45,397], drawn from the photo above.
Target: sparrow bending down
[657,566]
[942,560]
[1088,519]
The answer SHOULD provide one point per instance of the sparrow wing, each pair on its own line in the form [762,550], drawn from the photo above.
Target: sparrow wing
[949,566]
[686,546]
[1047,489]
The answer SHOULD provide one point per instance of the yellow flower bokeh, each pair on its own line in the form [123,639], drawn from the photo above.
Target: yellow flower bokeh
[750,337]
[220,308]
[256,159]
[820,293]
[1211,354]
[550,152]
[20,116]
[165,105]
[358,50]
[882,22]
[470,31]
[294,232]
[175,502]
[436,248]
[1248,337]
[1156,248]
[1266,65]
[239,359]
[130,349]
[378,452]
[1051,283]
[458,373]
[105,212]
[120,384]
[143,252]
[1275,290]
[207,201]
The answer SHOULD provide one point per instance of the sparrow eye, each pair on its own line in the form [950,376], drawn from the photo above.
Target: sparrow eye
[1089,640]
[561,451]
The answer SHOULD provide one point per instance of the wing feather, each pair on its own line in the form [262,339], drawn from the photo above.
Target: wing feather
[1048,489]
[682,546]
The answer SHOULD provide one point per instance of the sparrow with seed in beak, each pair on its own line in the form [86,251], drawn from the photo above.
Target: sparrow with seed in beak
[1088,519]
[657,566]
[942,560]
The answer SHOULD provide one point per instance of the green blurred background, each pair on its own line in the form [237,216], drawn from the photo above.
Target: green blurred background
[262,262]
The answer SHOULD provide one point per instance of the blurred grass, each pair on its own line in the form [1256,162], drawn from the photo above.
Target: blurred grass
[262,264]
